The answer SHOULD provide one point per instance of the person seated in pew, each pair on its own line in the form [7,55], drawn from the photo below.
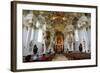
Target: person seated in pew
[44,57]
[27,58]
[35,56]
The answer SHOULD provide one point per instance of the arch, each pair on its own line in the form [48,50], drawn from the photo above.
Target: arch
[59,42]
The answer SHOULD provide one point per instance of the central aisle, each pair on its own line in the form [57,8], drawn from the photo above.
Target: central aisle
[59,57]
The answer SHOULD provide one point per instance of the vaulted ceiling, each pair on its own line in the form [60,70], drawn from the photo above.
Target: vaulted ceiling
[57,20]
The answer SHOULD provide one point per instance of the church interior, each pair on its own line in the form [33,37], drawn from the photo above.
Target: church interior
[55,36]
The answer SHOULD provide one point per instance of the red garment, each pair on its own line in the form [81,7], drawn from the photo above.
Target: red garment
[44,58]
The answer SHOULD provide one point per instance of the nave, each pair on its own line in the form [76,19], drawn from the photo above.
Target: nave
[56,36]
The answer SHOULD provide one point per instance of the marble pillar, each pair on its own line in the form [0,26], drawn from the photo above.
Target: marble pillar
[84,39]
[76,40]
[51,42]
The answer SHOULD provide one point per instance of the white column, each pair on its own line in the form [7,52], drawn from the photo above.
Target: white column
[32,34]
[24,35]
[89,36]
[68,47]
[65,44]
[28,38]
[52,42]
[44,47]
[87,40]
[24,43]
[69,43]
[72,47]
[84,40]
[76,40]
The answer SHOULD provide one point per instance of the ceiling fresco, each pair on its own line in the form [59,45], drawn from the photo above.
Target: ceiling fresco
[58,21]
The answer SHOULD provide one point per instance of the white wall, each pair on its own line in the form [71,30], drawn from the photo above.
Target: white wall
[5,37]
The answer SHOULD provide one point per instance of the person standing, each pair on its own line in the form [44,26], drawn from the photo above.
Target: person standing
[80,47]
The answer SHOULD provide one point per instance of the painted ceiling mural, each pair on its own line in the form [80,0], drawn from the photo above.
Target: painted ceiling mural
[56,21]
